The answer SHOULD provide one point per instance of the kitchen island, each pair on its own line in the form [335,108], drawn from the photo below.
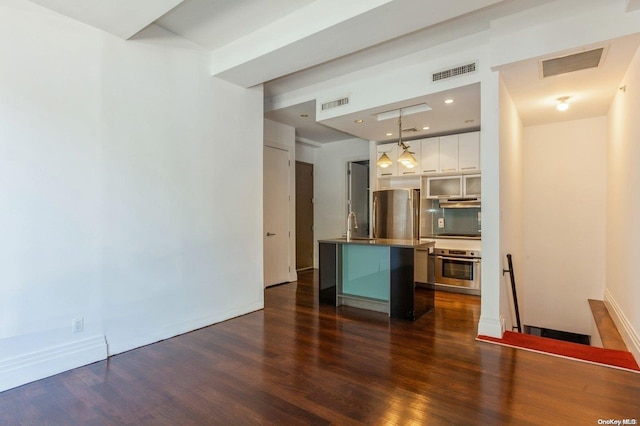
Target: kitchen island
[375,274]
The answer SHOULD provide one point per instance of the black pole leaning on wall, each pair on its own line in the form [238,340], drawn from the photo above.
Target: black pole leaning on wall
[513,291]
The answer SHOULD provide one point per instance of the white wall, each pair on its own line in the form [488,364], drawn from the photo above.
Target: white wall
[622,291]
[306,153]
[564,222]
[112,206]
[492,318]
[511,204]
[330,186]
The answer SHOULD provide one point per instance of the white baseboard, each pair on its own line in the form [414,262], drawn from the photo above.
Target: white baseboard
[47,362]
[492,327]
[629,335]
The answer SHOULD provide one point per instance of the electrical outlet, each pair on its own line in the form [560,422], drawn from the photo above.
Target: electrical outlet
[441,222]
[77,325]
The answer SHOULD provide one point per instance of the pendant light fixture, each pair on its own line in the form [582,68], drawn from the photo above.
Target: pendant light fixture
[406,158]
[384,161]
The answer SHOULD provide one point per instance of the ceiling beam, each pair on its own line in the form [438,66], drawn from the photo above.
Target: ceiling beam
[122,18]
[632,5]
[240,60]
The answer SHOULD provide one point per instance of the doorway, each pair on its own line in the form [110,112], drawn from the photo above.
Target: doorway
[304,216]
[358,195]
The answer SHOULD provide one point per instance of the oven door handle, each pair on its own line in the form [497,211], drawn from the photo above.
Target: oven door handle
[459,259]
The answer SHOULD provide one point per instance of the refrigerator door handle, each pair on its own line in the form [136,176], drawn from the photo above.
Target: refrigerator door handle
[373,218]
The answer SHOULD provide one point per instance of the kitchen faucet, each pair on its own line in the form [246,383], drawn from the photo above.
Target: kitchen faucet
[355,224]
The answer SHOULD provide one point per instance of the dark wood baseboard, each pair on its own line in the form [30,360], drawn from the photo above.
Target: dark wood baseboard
[609,334]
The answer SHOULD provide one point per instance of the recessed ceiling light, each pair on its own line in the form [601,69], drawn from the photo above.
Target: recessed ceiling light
[389,134]
[359,121]
[448,101]
[426,128]
[304,115]
[562,103]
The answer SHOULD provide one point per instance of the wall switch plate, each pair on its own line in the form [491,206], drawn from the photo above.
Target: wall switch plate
[441,222]
[77,325]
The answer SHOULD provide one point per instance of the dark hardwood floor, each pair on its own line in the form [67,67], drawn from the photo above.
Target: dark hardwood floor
[299,363]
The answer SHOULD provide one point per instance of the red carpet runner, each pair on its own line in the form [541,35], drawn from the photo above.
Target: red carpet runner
[607,357]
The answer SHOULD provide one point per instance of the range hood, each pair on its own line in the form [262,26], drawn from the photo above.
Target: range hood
[459,203]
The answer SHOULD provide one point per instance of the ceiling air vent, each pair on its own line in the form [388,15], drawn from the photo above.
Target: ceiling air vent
[336,103]
[454,72]
[571,63]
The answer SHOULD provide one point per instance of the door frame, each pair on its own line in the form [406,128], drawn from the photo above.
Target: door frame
[348,208]
[345,198]
[313,251]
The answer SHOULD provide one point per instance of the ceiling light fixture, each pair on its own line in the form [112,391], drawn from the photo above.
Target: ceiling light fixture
[359,121]
[426,128]
[389,134]
[562,103]
[448,101]
[406,158]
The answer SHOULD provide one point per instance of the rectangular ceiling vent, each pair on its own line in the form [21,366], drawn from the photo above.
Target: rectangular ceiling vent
[454,72]
[336,103]
[571,63]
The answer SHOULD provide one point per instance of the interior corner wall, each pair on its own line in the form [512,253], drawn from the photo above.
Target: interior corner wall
[330,186]
[564,190]
[511,204]
[622,292]
[111,209]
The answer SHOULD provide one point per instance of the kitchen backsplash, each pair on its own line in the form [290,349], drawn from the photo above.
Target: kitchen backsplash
[436,221]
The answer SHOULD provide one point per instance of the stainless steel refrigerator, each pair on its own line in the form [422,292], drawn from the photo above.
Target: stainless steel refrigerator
[396,213]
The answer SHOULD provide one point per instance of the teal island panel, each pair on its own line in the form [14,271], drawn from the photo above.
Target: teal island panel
[366,271]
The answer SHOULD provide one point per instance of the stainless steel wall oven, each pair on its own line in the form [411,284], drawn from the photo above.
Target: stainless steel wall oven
[456,270]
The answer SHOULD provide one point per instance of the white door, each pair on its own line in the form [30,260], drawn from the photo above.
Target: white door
[276,216]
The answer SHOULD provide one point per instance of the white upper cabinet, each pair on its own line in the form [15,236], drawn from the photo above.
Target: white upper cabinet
[472,185]
[391,149]
[430,155]
[469,151]
[415,149]
[444,186]
[445,155]
[449,154]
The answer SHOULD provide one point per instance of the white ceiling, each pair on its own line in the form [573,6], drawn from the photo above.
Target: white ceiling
[290,44]
[462,114]
[590,91]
